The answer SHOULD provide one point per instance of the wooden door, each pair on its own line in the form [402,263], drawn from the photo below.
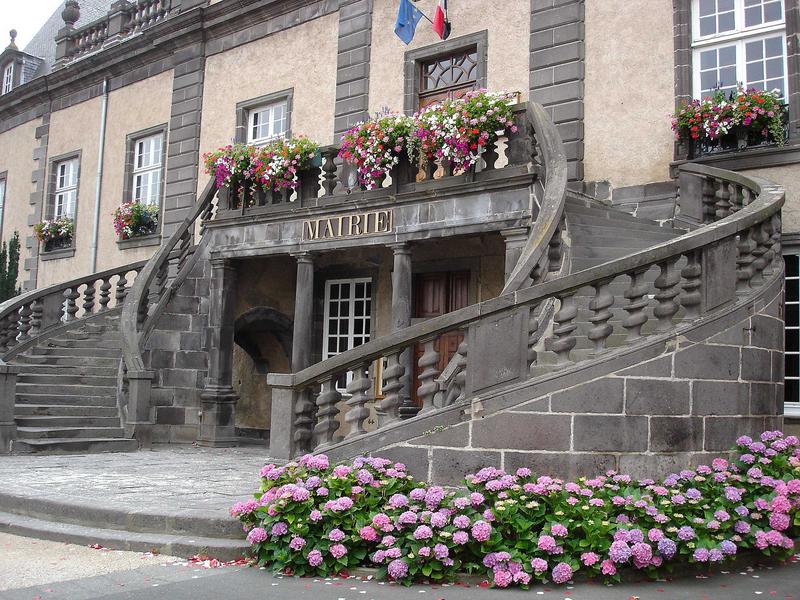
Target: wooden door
[437,294]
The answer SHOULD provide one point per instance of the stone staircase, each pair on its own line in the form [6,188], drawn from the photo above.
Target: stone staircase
[66,392]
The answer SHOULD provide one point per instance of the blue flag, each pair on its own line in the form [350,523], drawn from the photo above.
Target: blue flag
[407,18]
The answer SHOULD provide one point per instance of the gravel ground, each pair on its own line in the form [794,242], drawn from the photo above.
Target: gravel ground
[26,562]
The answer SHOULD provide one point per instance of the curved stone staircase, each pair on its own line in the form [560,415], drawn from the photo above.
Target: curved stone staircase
[67,392]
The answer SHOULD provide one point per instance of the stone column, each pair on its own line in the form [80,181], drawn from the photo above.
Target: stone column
[303,312]
[401,318]
[515,239]
[218,421]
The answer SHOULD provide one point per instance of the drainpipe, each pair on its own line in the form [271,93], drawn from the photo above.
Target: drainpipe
[99,186]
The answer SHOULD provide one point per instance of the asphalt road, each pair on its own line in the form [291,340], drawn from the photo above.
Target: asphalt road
[179,581]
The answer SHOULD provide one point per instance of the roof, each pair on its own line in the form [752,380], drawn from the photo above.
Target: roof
[43,44]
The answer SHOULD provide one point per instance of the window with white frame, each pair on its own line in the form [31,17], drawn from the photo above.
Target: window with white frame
[66,188]
[348,310]
[147,157]
[267,122]
[792,335]
[738,42]
[8,78]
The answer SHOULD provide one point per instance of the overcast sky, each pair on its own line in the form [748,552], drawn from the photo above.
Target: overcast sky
[26,16]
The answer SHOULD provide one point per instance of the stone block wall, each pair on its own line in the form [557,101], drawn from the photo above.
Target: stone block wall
[684,403]
[176,352]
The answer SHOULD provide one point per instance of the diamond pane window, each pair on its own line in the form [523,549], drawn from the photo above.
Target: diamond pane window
[792,335]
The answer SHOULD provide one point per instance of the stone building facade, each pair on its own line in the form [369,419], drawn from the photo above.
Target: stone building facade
[103,81]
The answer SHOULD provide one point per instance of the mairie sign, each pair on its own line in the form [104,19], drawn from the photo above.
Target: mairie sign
[349,225]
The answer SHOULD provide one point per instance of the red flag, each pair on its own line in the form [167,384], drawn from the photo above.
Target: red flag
[441,25]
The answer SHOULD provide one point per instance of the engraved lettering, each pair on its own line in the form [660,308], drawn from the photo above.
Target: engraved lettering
[311,230]
[355,225]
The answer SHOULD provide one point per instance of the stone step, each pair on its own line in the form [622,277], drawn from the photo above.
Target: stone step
[605,215]
[183,545]
[43,433]
[61,400]
[83,370]
[581,231]
[67,361]
[75,445]
[73,352]
[600,218]
[89,342]
[604,253]
[66,390]
[64,410]
[38,421]
[66,379]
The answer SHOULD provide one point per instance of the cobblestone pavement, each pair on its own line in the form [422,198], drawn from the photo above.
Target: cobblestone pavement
[165,480]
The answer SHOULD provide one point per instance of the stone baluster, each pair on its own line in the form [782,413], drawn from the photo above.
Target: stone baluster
[723,204]
[601,329]
[329,171]
[37,309]
[88,299]
[185,247]
[144,310]
[24,322]
[759,263]
[448,167]
[555,250]
[744,261]
[769,255]
[519,148]
[5,334]
[428,373]
[304,410]
[105,294]
[71,295]
[668,285]
[735,192]
[709,200]
[309,184]
[461,370]
[12,329]
[490,156]
[121,289]
[430,169]
[358,412]
[691,297]
[327,410]
[636,294]
[776,237]
[533,335]
[563,341]
[747,197]
[392,387]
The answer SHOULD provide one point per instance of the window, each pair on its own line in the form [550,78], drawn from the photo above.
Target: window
[792,335]
[8,78]
[738,41]
[348,308]
[449,76]
[65,189]
[267,122]
[446,69]
[147,156]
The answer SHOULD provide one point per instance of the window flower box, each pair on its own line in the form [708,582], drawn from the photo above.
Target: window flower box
[55,234]
[134,219]
[742,120]
[255,172]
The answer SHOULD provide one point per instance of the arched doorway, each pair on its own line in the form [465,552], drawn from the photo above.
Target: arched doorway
[263,339]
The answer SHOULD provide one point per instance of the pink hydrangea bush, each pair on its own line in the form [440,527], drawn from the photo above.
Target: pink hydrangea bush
[312,518]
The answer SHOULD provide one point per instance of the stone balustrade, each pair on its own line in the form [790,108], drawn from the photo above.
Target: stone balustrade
[731,255]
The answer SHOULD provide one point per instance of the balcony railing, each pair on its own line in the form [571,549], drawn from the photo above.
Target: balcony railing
[126,18]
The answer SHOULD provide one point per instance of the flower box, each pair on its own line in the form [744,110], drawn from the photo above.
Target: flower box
[744,119]
[55,234]
[134,219]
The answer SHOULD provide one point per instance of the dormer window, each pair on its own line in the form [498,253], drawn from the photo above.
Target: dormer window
[8,78]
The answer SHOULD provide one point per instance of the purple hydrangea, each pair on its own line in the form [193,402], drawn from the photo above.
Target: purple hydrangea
[336,535]
[280,528]
[338,551]
[256,535]
[315,558]
[440,551]
[667,548]
[398,501]
[620,552]
[685,533]
[417,494]
[727,547]
[438,519]
[562,573]
[398,569]
[408,518]
[461,521]
[539,565]
[558,530]
[460,538]
[547,543]
[481,531]
[423,532]
[701,555]
[297,543]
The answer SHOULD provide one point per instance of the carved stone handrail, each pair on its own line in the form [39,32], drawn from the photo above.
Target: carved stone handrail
[158,281]
[701,272]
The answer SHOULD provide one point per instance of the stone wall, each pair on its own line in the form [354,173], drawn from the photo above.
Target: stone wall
[686,402]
